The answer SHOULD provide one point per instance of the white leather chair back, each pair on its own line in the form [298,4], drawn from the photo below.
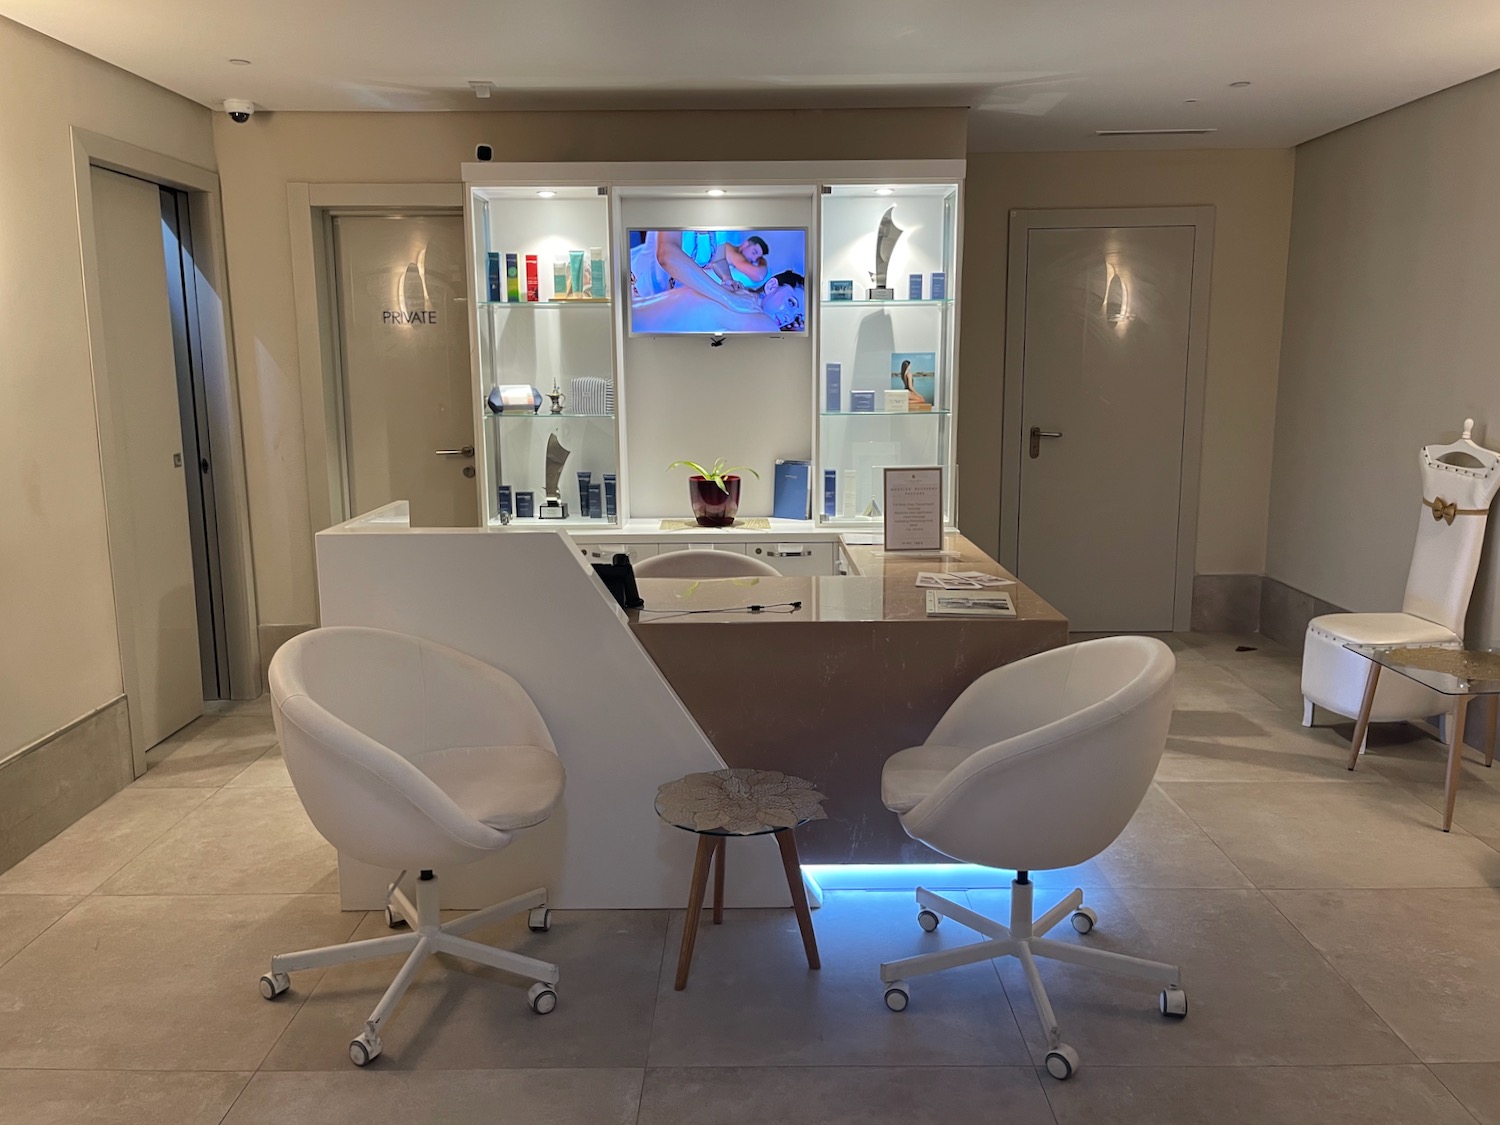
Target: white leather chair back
[353,705]
[1066,744]
[704,564]
[1446,557]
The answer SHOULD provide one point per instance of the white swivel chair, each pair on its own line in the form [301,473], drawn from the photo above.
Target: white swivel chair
[704,564]
[1459,482]
[1038,765]
[410,755]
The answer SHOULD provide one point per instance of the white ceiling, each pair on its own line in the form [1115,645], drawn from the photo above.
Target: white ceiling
[1039,74]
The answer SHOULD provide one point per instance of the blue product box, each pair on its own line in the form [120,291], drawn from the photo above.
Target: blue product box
[841,290]
[833,400]
[830,493]
[939,286]
[609,496]
[914,287]
[596,501]
[525,505]
[792,496]
[492,260]
[862,402]
[507,508]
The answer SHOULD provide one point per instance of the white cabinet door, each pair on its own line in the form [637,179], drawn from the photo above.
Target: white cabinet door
[710,545]
[795,558]
[605,552]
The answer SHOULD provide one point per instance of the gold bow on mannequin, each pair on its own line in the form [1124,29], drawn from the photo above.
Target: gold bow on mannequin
[1446,509]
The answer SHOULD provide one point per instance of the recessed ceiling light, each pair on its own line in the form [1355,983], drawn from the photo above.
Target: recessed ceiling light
[1190,101]
[546,194]
[1196,132]
[1240,84]
[884,191]
[715,191]
[239,62]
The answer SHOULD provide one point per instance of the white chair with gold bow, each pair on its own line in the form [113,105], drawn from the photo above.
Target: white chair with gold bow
[1458,483]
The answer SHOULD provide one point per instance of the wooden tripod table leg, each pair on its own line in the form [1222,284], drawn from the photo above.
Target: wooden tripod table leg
[706,847]
[1362,725]
[719,881]
[793,864]
[1455,760]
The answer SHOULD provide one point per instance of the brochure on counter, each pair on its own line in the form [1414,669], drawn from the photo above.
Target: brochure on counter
[943,603]
[961,580]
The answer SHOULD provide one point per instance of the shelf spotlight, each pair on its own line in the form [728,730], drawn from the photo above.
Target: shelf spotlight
[546,194]
[716,191]
[885,191]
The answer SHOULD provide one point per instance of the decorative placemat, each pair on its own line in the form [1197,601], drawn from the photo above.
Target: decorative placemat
[1452,661]
[739,802]
[749,523]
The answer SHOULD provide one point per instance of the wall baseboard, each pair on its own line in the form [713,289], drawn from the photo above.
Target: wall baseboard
[273,637]
[1226,603]
[52,783]
[1285,612]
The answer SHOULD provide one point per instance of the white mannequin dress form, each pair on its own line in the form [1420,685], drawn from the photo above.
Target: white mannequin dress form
[1459,481]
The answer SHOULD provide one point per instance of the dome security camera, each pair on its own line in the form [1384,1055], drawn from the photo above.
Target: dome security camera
[239,109]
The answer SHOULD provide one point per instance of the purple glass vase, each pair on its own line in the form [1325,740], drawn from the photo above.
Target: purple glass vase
[713,506]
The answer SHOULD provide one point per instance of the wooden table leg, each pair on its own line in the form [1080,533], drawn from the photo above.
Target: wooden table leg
[694,908]
[1455,760]
[793,865]
[1489,743]
[719,881]
[1362,725]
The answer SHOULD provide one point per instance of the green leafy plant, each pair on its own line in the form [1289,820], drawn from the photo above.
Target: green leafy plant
[718,474]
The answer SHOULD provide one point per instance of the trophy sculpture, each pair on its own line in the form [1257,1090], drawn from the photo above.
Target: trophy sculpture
[886,238]
[553,507]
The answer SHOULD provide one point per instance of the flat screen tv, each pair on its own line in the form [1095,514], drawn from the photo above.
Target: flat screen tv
[712,282]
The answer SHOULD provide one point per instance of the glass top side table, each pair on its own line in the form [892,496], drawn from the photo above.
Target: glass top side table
[1461,674]
[739,802]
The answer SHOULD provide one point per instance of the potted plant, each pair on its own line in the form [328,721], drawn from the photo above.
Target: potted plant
[715,492]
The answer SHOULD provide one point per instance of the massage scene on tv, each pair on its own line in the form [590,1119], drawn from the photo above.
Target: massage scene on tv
[718,282]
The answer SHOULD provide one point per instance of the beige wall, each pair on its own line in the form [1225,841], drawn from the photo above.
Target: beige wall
[1393,299]
[60,658]
[1251,192]
[259,159]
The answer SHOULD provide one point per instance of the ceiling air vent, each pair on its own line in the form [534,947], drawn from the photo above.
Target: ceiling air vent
[1152,132]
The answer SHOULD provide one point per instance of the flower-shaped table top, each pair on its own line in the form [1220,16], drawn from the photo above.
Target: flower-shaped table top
[738,802]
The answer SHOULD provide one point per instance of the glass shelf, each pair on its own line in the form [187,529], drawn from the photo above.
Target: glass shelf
[571,302]
[545,416]
[885,413]
[574,523]
[827,303]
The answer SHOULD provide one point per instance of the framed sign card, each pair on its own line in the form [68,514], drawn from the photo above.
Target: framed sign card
[914,509]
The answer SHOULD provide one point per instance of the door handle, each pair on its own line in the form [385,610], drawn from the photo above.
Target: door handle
[1037,434]
[466,451]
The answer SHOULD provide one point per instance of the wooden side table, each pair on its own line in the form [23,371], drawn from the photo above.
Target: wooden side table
[739,802]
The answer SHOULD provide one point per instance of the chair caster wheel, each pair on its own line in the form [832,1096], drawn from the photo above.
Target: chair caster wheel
[363,1050]
[542,998]
[1062,1062]
[897,996]
[1174,1002]
[928,920]
[1084,919]
[393,919]
[539,920]
[273,985]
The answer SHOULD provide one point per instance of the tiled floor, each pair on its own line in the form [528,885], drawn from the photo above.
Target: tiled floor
[1342,956]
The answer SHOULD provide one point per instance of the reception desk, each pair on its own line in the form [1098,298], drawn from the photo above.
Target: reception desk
[827,691]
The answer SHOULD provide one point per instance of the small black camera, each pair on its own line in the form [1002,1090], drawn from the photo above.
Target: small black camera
[484,153]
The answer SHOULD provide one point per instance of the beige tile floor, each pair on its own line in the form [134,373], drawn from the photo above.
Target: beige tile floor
[1341,953]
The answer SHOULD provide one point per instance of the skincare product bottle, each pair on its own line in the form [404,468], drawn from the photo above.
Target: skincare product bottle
[575,273]
[914,287]
[609,496]
[596,271]
[939,286]
[833,400]
[830,493]
[525,505]
[596,501]
[532,285]
[512,279]
[492,261]
[506,506]
[559,279]
[583,492]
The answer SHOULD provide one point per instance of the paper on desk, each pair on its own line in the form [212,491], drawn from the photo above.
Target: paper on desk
[960,580]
